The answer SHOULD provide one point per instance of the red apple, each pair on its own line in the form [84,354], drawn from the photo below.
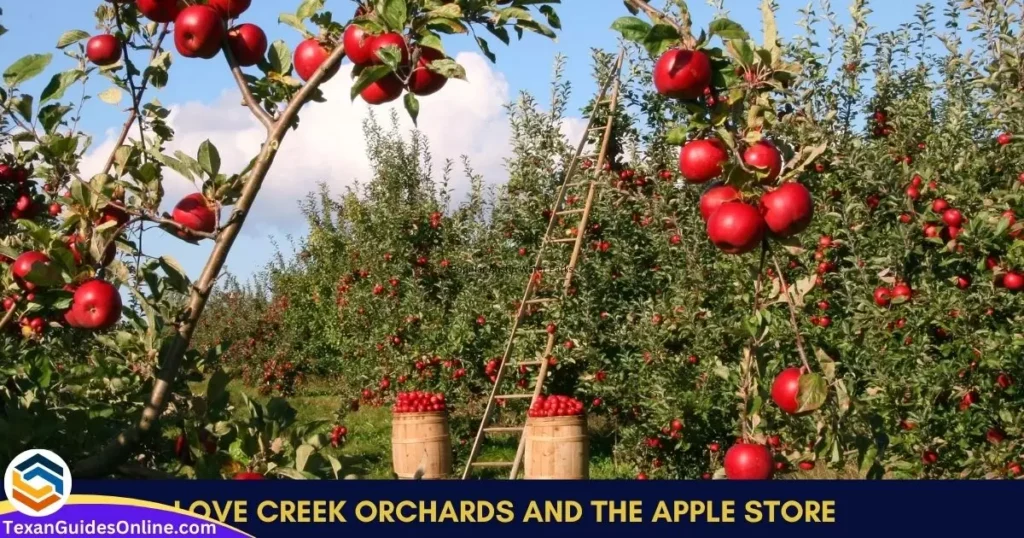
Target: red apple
[158,10]
[939,205]
[230,9]
[389,39]
[309,56]
[788,210]
[195,213]
[357,45]
[248,44]
[952,218]
[423,81]
[103,49]
[929,457]
[24,265]
[764,157]
[383,90]
[198,32]
[902,290]
[736,228]
[1013,281]
[748,462]
[701,160]
[682,74]
[249,476]
[1004,139]
[785,390]
[714,197]
[96,305]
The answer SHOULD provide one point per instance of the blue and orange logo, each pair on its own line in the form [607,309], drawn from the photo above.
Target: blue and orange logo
[37,483]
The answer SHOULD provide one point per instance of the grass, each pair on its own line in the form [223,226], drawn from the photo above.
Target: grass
[367,450]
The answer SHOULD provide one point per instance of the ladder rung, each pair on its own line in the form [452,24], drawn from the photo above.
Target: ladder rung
[605,102]
[491,464]
[564,240]
[502,429]
[542,300]
[577,184]
[529,363]
[569,212]
[514,396]
[598,128]
[532,331]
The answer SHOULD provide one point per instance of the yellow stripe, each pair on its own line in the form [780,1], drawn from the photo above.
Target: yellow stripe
[27,488]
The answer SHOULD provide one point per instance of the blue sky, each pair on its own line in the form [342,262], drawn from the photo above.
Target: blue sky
[525,66]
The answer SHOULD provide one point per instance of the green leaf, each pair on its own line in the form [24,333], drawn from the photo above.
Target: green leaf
[293,21]
[484,48]
[368,76]
[660,38]
[111,95]
[26,68]
[449,68]
[727,29]
[209,158]
[280,58]
[216,387]
[813,392]
[23,105]
[59,84]
[71,37]
[308,8]
[677,135]
[302,455]
[176,276]
[50,116]
[769,29]
[632,28]
[393,13]
[391,55]
[412,106]
[828,366]
[552,16]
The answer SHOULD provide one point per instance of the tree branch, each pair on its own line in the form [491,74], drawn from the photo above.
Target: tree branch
[115,452]
[8,316]
[792,314]
[134,114]
[166,222]
[236,71]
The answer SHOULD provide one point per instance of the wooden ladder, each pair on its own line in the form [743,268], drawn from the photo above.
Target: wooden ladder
[607,99]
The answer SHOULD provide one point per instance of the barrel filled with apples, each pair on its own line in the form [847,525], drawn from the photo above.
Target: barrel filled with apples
[557,444]
[420,436]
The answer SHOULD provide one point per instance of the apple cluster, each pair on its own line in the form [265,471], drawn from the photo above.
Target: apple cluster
[419,402]
[199,31]
[555,405]
[338,434]
[733,225]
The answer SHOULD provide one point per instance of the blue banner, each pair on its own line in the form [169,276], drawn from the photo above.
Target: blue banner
[596,508]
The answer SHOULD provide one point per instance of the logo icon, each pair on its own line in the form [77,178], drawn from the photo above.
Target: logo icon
[37,483]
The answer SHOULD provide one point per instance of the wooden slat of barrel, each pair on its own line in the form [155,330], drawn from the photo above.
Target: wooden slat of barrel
[557,448]
[421,438]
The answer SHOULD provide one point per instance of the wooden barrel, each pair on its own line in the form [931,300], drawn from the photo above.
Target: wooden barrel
[421,439]
[557,448]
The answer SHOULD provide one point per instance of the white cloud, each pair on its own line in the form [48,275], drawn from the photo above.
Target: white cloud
[464,118]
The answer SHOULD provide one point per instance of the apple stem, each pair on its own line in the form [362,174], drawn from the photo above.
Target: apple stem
[136,97]
[792,314]
[171,358]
